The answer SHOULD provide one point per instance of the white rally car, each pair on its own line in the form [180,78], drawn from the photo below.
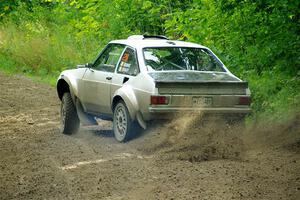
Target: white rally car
[144,78]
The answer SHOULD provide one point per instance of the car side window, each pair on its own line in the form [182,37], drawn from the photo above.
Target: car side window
[108,60]
[128,64]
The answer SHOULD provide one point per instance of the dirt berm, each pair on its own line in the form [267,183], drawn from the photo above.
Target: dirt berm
[171,160]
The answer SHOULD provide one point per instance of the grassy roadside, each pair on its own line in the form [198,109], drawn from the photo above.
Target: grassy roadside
[41,51]
[8,67]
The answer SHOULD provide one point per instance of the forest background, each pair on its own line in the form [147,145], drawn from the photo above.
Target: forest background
[258,40]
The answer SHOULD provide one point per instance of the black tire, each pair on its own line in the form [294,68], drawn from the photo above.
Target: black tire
[122,123]
[69,118]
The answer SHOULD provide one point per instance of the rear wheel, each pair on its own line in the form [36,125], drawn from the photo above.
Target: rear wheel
[68,115]
[122,123]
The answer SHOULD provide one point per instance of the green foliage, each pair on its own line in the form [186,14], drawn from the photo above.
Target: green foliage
[257,40]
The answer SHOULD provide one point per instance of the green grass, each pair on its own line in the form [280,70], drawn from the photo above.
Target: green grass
[8,66]
[40,51]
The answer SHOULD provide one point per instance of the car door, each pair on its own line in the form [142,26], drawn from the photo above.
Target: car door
[96,96]
[127,69]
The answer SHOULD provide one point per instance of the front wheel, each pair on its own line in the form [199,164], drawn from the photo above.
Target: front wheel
[68,115]
[122,123]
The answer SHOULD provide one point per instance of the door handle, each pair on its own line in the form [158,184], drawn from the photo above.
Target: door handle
[108,78]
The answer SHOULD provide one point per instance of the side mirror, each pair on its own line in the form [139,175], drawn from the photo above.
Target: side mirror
[87,65]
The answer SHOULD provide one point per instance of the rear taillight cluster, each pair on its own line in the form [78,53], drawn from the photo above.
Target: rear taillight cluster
[246,101]
[159,100]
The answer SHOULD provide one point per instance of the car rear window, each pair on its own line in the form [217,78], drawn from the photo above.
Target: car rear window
[181,58]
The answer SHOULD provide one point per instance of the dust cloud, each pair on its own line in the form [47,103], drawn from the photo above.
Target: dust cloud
[197,138]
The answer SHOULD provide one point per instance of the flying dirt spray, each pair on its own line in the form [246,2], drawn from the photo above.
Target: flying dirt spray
[196,138]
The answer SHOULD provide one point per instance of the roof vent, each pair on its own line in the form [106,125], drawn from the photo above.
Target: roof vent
[144,37]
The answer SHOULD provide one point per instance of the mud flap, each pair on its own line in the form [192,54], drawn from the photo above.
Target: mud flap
[85,118]
[141,121]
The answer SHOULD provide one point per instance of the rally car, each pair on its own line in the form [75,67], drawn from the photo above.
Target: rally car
[144,78]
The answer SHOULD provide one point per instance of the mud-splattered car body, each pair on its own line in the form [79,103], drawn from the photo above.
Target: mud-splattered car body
[153,78]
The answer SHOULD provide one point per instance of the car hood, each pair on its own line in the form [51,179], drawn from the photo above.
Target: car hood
[192,76]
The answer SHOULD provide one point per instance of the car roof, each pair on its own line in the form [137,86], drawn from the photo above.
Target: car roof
[152,42]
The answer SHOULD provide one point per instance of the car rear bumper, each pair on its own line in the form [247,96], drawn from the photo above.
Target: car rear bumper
[167,113]
[205,110]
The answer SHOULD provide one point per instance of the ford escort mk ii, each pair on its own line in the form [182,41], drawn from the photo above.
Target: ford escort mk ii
[145,78]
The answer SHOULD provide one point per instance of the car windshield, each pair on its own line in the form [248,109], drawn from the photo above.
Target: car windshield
[181,58]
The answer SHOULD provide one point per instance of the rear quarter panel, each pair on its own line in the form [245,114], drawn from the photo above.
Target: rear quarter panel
[136,94]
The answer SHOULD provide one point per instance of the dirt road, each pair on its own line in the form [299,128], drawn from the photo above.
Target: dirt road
[168,161]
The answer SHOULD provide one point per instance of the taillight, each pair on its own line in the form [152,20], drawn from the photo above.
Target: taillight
[245,101]
[159,100]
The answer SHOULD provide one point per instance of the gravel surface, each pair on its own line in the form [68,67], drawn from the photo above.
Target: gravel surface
[170,160]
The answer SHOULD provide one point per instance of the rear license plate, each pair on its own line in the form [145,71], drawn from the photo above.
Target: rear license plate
[202,101]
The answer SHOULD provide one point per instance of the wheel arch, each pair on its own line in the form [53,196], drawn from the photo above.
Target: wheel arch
[127,95]
[64,85]
[115,100]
